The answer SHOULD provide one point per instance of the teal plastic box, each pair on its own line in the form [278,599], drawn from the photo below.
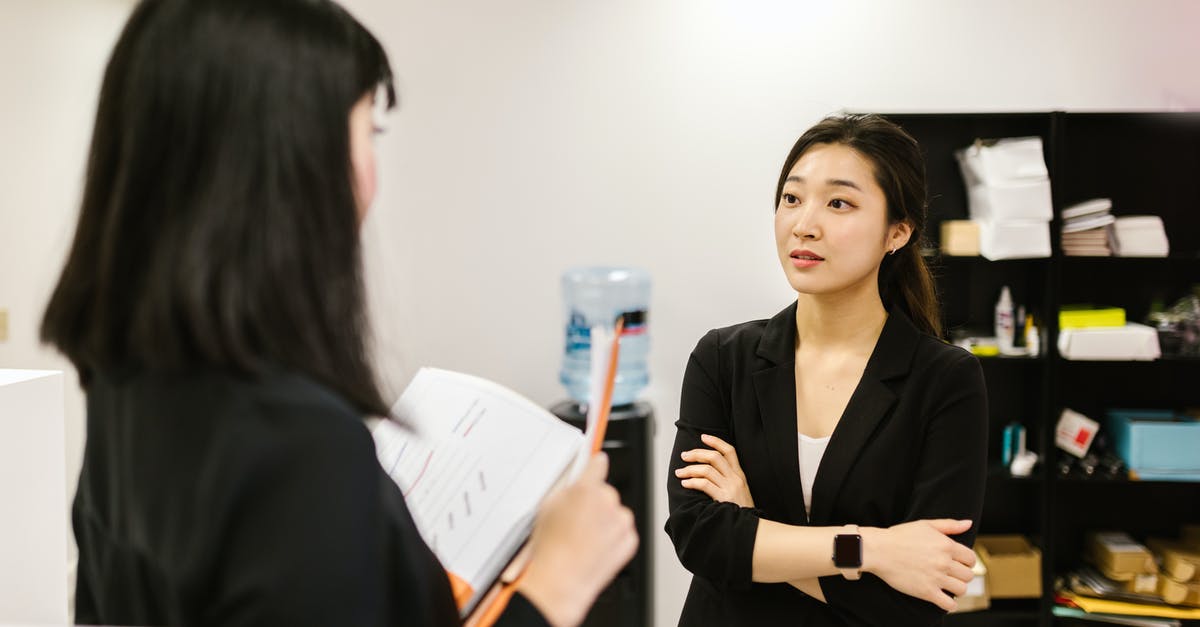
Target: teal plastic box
[1157,444]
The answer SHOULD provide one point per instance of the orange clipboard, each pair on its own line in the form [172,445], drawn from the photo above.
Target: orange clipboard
[493,604]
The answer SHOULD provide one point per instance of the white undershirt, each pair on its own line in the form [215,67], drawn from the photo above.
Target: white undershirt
[811,451]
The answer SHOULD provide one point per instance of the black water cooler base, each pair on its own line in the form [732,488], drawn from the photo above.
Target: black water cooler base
[629,599]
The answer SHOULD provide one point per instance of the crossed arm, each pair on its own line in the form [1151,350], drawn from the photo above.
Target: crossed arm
[917,558]
[719,534]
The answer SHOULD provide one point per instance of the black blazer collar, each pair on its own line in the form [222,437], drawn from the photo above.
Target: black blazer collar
[891,357]
[775,386]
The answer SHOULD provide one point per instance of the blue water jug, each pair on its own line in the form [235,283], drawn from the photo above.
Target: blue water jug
[596,295]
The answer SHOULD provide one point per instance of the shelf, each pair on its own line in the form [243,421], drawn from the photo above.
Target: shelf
[1001,610]
[1125,482]
[961,259]
[1137,160]
[1162,361]
[1001,474]
[1173,258]
[1012,358]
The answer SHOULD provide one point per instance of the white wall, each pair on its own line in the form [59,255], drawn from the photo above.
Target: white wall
[52,55]
[537,134]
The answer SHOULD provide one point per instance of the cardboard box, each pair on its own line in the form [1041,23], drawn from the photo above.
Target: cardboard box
[1192,597]
[1177,593]
[1179,562]
[1133,342]
[960,238]
[976,597]
[1142,584]
[1119,556]
[1014,566]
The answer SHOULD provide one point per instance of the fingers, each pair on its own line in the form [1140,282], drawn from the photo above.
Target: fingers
[704,485]
[596,469]
[963,555]
[724,448]
[954,586]
[699,470]
[710,457]
[942,600]
[960,572]
[949,526]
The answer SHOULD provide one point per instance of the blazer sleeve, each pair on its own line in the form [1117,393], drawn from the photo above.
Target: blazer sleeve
[949,482]
[713,539]
[305,544]
[521,612]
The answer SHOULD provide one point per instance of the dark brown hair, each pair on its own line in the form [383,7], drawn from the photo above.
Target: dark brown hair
[218,225]
[904,277]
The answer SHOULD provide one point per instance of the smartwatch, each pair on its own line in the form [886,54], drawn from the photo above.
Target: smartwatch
[848,552]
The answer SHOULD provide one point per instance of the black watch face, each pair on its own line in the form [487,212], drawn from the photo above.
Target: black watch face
[847,551]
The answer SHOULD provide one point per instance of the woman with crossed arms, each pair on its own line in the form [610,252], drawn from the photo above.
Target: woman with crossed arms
[829,462]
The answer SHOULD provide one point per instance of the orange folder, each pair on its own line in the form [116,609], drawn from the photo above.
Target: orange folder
[493,604]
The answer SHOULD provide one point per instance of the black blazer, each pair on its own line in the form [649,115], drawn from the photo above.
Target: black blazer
[208,498]
[911,444]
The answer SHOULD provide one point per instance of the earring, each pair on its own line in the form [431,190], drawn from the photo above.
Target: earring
[892,251]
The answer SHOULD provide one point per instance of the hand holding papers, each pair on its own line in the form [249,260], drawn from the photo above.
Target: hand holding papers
[475,461]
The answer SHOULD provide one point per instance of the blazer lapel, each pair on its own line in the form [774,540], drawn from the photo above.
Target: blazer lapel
[775,387]
[868,405]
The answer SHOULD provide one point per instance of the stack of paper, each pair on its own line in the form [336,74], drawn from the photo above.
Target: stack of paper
[1008,193]
[1140,236]
[1090,317]
[1085,228]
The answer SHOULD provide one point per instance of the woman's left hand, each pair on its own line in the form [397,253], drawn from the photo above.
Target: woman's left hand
[716,472]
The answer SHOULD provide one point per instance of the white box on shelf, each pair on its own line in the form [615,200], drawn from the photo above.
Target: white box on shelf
[1140,236]
[1024,200]
[33,528]
[1003,161]
[1016,239]
[1132,342]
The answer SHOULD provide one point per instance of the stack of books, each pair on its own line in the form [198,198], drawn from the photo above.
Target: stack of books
[1086,228]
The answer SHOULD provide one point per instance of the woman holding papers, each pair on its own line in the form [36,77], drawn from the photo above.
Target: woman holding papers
[842,426]
[212,303]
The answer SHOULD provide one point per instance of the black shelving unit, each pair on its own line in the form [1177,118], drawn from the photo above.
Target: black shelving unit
[1147,163]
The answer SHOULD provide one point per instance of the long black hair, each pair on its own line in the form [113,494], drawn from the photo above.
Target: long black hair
[904,277]
[218,224]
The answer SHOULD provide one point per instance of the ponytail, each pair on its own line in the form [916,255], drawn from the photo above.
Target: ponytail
[906,282]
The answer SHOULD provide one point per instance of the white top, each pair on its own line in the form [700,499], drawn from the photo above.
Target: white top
[811,451]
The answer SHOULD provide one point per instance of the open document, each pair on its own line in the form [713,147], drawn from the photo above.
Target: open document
[474,460]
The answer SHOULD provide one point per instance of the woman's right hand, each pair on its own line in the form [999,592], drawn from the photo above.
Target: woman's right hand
[582,537]
[919,559]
